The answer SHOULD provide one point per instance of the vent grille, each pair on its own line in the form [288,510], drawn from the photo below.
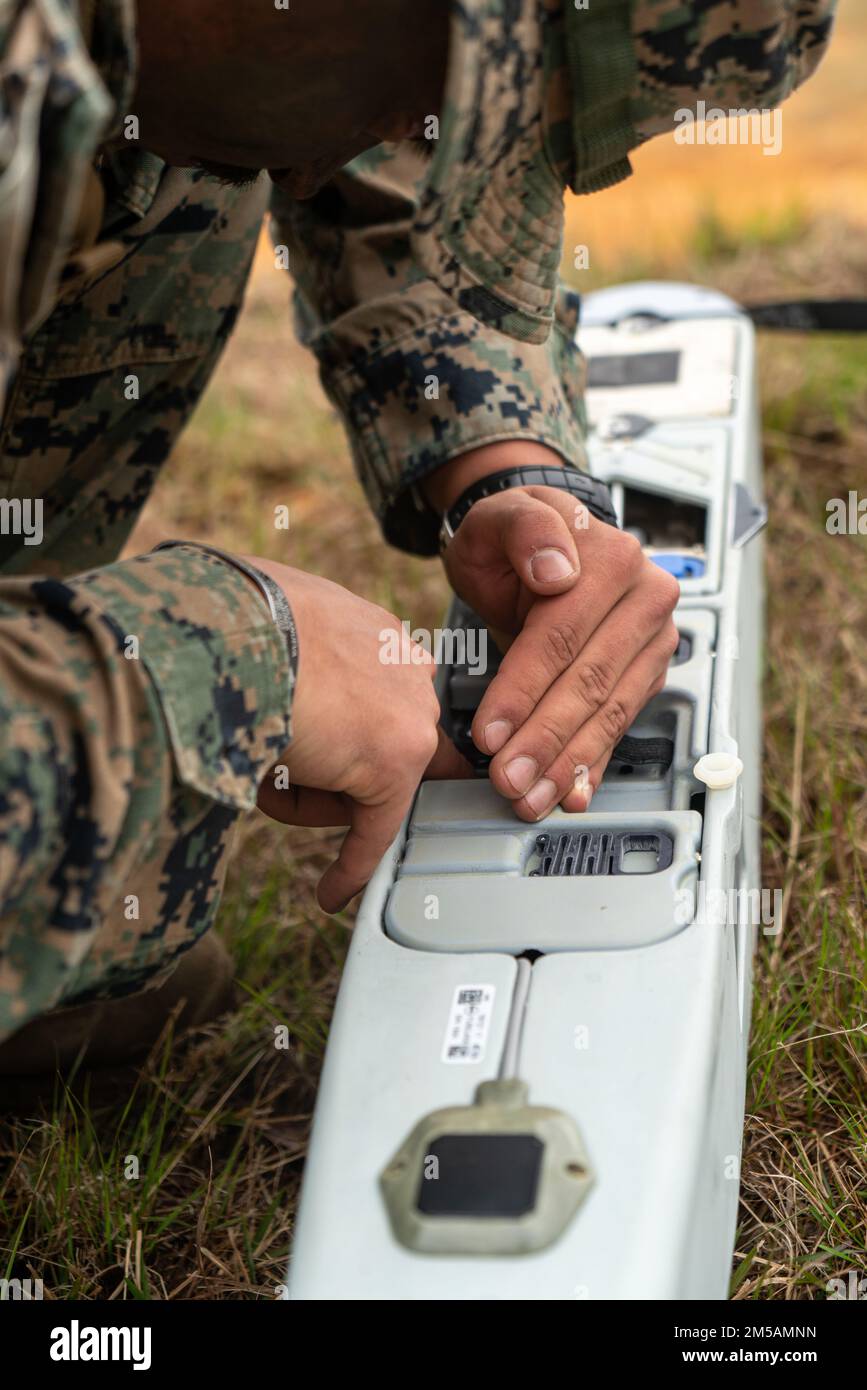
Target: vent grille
[585,852]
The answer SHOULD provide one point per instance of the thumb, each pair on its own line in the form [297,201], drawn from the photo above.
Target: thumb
[535,531]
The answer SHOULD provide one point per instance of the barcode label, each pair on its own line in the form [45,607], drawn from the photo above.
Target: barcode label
[469,1021]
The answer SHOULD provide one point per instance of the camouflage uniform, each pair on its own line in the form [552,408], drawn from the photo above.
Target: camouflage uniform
[121,279]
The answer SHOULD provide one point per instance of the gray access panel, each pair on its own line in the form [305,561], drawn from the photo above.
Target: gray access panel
[454,908]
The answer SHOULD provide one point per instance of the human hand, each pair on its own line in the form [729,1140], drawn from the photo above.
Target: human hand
[585,620]
[364,732]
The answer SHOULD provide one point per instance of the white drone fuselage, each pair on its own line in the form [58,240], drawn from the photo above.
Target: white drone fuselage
[617,993]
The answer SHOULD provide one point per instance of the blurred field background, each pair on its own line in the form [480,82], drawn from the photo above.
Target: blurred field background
[221,1119]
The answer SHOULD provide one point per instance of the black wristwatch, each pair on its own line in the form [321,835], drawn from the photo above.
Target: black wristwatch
[591,491]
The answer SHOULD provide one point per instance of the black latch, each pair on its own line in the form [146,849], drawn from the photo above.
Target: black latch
[584,852]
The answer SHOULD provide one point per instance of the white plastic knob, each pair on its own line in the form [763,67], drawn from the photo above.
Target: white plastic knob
[718,770]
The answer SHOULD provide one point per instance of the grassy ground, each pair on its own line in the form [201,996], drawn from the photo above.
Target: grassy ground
[219,1122]
[804,1194]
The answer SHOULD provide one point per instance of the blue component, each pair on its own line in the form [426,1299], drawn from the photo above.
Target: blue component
[681,566]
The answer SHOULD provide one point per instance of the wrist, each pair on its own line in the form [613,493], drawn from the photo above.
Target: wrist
[443,487]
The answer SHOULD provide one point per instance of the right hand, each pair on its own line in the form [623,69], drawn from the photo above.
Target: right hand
[365,732]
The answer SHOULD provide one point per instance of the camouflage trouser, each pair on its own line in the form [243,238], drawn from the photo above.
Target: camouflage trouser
[169,899]
[119,791]
[123,778]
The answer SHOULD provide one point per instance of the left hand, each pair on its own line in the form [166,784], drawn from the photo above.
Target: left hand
[585,620]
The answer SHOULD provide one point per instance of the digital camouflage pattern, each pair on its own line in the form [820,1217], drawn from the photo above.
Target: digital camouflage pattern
[430,292]
[542,93]
[118,798]
[416,378]
[427,290]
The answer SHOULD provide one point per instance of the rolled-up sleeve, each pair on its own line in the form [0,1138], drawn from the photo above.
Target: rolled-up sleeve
[415,379]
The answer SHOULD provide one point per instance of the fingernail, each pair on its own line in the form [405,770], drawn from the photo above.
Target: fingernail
[543,795]
[586,792]
[548,565]
[498,732]
[522,773]
[583,784]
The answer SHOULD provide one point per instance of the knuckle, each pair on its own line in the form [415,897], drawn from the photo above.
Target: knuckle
[627,551]
[425,744]
[663,592]
[383,769]
[562,644]
[403,742]
[551,732]
[594,680]
[520,697]
[615,719]
[423,669]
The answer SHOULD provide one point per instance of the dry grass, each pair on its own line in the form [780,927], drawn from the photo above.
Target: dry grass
[818,171]
[804,1194]
[219,1123]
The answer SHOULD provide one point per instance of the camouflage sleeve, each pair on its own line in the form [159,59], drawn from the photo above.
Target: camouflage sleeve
[51,99]
[640,68]
[117,685]
[730,54]
[416,380]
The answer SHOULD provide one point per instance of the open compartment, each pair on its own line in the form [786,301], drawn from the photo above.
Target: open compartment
[651,768]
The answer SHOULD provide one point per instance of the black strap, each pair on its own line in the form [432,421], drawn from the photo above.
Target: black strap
[811,315]
[593,492]
[640,752]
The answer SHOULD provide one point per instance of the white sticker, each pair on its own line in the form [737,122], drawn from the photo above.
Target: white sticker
[469,1021]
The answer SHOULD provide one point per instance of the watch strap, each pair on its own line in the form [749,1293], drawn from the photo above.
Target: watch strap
[591,491]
